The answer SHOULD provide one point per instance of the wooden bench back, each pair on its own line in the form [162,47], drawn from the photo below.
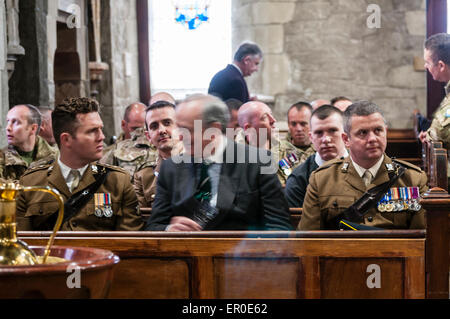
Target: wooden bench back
[296,264]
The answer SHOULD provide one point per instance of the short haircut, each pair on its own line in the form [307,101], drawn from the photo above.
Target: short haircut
[233,104]
[339,98]
[299,105]
[64,116]
[126,115]
[359,108]
[326,110]
[246,49]
[157,105]
[439,47]
[34,117]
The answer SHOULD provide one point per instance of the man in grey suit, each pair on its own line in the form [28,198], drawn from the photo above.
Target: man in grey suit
[216,184]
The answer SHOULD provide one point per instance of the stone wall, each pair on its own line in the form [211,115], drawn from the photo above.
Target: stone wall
[4,106]
[120,86]
[324,48]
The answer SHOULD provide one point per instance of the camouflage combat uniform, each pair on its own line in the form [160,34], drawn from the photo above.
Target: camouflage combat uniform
[130,154]
[440,127]
[289,157]
[12,165]
[286,155]
[146,176]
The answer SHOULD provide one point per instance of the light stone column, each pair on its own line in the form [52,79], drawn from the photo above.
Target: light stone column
[4,104]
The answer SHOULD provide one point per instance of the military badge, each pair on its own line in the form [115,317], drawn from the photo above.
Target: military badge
[399,199]
[103,206]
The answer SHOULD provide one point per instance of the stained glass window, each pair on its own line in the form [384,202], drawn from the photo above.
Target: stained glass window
[182,59]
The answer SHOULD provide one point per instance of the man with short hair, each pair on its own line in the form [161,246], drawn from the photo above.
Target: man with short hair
[134,149]
[437,62]
[257,125]
[25,148]
[367,174]
[214,185]
[326,128]
[97,197]
[162,96]
[341,102]
[319,102]
[160,131]
[46,131]
[229,82]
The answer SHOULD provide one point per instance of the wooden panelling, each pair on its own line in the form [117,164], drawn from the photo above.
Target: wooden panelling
[151,278]
[349,277]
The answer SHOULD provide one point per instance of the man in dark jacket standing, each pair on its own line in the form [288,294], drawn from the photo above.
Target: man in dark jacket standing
[229,82]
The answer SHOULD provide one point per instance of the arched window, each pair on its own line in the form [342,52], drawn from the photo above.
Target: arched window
[183,61]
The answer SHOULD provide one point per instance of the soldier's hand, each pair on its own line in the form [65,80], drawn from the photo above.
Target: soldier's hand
[181,223]
[423,136]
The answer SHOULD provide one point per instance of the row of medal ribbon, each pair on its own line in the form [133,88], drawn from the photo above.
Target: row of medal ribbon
[103,206]
[399,199]
[287,163]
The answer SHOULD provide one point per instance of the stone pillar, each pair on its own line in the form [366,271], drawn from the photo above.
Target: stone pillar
[31,69]
[4,106]
[119,49]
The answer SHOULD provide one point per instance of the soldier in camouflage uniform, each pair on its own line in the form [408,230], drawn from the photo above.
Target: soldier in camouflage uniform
[25,149]
[254,116]
[160,123]
[437,61]
[130,154]
[296,147]
[133,118]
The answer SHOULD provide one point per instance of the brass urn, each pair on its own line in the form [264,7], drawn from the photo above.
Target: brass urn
[12,250]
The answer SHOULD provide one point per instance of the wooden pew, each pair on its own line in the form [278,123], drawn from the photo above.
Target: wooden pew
[403,144]
[260,265]
[435,164]
[266,265]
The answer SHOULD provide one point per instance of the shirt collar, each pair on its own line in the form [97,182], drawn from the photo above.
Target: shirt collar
[65,170]
[447,88]
[373,170]
[319,161]
[239,69]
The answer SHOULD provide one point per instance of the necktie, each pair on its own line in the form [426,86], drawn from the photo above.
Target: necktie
[204,188]
[367,177]
[76,179]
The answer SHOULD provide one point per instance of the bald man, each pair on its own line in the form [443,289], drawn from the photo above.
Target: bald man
[318,103]
[161,96]
[133,148]
[257,128]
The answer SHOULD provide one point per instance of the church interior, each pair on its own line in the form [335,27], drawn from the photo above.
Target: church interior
[363,49]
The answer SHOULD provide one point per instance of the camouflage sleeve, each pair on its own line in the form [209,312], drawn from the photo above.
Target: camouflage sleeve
[108,156]
[2,165]
[440,127]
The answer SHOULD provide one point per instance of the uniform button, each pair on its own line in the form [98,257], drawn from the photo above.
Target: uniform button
[370,219]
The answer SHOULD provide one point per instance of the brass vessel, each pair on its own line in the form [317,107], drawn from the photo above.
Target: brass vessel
[14,251]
